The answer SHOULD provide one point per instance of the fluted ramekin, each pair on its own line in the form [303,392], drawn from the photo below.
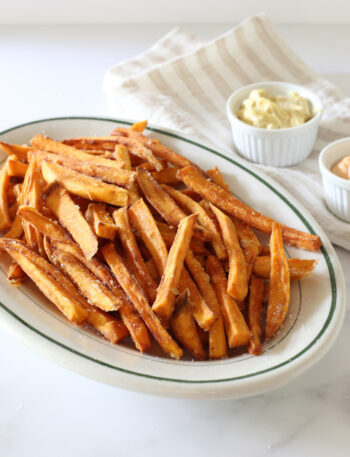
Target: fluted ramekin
[275,147]
[336,189]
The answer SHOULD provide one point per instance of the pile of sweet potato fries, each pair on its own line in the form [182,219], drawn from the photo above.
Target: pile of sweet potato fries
[125,234]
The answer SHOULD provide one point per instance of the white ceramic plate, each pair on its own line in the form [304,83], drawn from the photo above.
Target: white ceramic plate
[315,317]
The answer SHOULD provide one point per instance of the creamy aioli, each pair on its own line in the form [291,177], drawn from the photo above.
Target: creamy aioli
[267,111]
[342,168]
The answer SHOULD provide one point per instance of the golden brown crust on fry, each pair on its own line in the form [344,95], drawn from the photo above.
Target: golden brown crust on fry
[15,274]
[185,328]
[47,283]
[70,217]
[237,331]
[279,284]
[237,285]
[298,268]
[136,296]
[216,176]
[101,221]
[133,254]
[193,178]
[84,186]
[256,296]
[5,221]
[20,151]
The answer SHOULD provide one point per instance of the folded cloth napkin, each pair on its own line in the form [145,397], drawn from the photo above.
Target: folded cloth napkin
[183,84]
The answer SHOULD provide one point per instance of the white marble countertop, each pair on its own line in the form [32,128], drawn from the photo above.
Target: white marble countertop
[46,410]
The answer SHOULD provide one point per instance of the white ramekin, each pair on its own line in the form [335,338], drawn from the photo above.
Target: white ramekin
[336,189]
[278,147]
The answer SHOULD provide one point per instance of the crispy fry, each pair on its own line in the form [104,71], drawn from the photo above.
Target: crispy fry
[47,144]
[168,234]
[155,146]
[69,215]
[279,284]
[101,221]
[122,155]
[47,283]
[84,186]
[109,326]
[16,168]
[148,166]
[142,219]
[117,176]
[201,312]
[256,295]
[251,246]
[237,331]
[166,176]
[128,313]
[94,290]
[237,285]
[217,339]
[194,207]
[164,303]
[185,328]
[133,254]
[220,197]
[164,204]
[16,229]
[108,143]
[139,126]
[216,176]
[5,221]
[131,288]
[15,274]
[20,151]
[298,268]
[32,196]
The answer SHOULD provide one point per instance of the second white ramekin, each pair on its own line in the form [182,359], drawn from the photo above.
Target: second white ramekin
[277,147]
[336,189]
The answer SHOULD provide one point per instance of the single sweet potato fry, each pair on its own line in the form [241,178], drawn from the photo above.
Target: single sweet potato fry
[155,146]
[47,283]
[250,244]
[237,331]
[112,175]
[5,221]
[194,179]
[20,151]
[101,221]
[122,155]
[238,276]
[84,186]
[142,219]
[15,274]
[135,147]
[16,168]
[69,215]
[133,254]
[202,217]
[298,268]
[47,144]
[164,303]
[135,294]
[256,296]
[279,296]
[185,328]
[139,126]
[166,176]
[216,176]
[217,338]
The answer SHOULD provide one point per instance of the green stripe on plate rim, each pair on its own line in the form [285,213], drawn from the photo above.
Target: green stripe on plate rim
[259,178]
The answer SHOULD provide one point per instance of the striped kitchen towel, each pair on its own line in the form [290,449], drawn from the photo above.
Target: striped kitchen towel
[183,84]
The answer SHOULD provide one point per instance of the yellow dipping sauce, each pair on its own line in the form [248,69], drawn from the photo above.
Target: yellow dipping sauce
[342,168]
[267,111]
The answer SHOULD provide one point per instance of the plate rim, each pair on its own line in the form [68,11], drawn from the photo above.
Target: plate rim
[333,265]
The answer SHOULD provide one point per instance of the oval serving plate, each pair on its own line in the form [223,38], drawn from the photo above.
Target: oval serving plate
[314,320]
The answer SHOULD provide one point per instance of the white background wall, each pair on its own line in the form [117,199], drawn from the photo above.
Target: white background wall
[171,11]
